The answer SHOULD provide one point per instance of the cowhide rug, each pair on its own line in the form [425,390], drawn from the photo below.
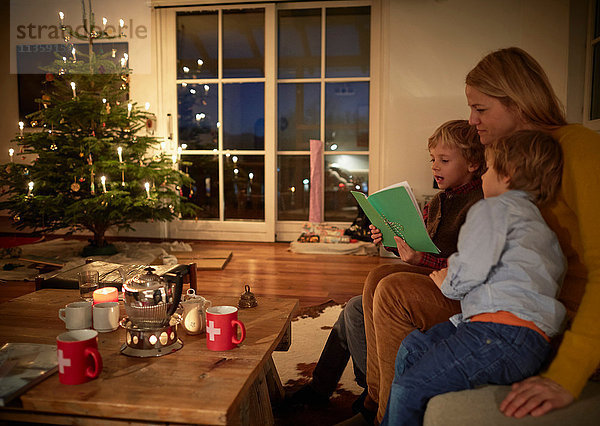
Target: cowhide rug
[310,330]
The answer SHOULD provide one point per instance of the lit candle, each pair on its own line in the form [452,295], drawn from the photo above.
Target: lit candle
[11,152]
[105,294]
[123,62]
[104,21]
[147,185]
[73,53]
[21,125]
[129,107]
[121,25]
[147,106]
[103,180]
[73,87]
[174,158]
[62,18]
[120,152]
[30,192]
[163,145]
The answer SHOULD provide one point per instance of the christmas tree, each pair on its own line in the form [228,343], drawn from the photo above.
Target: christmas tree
[93,164]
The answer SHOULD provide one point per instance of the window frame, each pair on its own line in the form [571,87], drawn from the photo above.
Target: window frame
[166,55]
[589,74]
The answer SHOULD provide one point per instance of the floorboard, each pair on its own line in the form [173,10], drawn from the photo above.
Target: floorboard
[270,270]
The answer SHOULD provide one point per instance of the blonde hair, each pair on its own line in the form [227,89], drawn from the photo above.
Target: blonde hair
[462,136]
[517,80]
[532,160]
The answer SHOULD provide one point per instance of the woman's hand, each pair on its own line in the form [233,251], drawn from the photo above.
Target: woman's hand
[536,396]
[376,235]
[406,253]
[438,277]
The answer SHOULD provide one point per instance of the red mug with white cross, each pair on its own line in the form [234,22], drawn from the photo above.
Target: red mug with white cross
[78,358]
[221,328]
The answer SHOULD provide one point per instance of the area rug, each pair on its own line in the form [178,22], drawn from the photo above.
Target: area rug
[67,253]
[309,334]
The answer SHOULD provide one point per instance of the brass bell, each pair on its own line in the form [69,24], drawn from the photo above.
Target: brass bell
[247,299]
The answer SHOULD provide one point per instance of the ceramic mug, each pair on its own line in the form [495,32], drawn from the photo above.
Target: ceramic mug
[78,358]
[106,316]
[76,315]
[221,328]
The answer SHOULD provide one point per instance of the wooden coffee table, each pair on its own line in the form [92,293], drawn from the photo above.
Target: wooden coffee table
[192,385]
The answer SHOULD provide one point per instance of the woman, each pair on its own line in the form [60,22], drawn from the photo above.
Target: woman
[509,91]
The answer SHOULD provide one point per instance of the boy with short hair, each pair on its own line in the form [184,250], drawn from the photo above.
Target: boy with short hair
[506,274]
[458,162]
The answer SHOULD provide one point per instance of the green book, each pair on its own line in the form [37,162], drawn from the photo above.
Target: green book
[394,211]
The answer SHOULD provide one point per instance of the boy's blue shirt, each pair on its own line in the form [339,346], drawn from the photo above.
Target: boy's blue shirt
[508,259]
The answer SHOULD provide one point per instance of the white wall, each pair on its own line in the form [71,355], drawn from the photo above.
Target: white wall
[433,45]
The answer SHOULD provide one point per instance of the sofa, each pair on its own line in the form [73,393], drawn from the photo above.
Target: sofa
[479,406]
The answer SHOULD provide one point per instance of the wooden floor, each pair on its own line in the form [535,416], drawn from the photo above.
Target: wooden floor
[270,270]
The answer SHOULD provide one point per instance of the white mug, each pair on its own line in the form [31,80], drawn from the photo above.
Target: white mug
[194,313]
[106,316]
[76,315]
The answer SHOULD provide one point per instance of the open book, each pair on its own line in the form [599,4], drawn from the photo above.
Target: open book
[394,211]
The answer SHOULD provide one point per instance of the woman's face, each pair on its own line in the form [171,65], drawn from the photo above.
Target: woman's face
[491,117]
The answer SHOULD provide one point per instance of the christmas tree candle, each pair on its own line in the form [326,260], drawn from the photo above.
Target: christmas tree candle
[11,152]
[21,125]
[73,87]
[103,180]
[120,152]
[147,185]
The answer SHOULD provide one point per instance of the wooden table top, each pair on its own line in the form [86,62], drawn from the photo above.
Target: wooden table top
[192,385]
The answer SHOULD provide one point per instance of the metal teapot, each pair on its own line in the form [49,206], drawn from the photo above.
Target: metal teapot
[149,299]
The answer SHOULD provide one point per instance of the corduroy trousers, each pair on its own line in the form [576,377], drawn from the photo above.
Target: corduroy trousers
[397,299]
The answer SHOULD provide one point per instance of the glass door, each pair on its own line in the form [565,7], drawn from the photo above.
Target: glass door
[244,89]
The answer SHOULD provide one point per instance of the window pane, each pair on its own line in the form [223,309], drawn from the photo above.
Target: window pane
[298,116]
[348,42]
[244,116]
[204,192]
[244,177]
[197,109]
[299,52]
[344,173]
[293,187]
[244,43]
[595,101]
[197,45]
[347,116]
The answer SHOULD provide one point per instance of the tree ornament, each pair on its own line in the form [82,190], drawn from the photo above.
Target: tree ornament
[49,76]
[75,187]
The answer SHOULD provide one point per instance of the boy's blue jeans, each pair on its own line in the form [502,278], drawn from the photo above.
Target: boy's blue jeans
[448,358]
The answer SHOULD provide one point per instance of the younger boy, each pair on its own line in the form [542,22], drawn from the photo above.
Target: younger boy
[506,275]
